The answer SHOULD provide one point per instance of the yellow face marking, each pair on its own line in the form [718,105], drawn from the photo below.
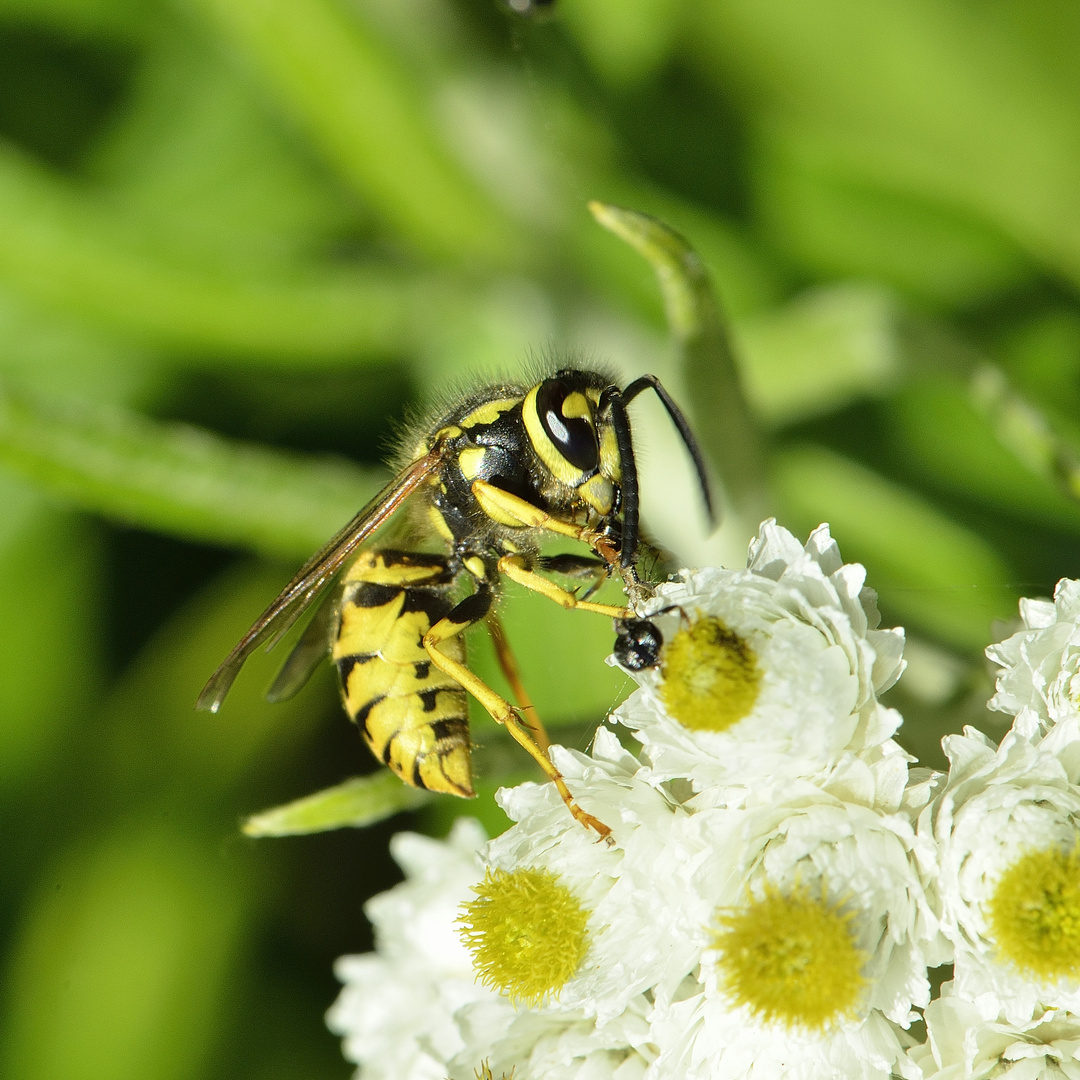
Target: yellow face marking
[599,493]
[471,461]
[576,405]
[475,565]
[489,412]
[609,454]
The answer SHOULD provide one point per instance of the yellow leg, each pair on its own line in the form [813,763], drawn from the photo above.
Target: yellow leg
[515,568]
[508,662]
[503,713]
[510,509]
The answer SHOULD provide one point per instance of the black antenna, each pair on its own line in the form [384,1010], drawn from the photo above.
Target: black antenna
[628,485]
[651,381]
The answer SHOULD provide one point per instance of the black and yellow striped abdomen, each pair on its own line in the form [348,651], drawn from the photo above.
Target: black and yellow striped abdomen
[413,716]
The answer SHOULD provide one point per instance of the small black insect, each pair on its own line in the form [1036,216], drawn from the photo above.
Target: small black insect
[637,644]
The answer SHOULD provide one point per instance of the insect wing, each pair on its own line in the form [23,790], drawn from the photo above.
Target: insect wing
[312,577]
[309,651]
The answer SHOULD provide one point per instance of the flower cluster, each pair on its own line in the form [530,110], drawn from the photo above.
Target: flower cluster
[782,883]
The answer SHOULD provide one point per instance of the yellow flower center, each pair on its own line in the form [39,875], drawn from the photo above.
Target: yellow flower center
[711,676]
[1034,914]
[791,959]
[526,933]
[485,1073]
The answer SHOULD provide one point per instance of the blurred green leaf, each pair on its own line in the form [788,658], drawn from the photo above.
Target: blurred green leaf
[956,446]
[63,251]
[181,479]
[942,100]
[49,609]
[928,569]
[124,18]
[355,100]
[120,969]
[625,42]
[356,803]
[838,225]
[821,351]
[204,175]
[157,749]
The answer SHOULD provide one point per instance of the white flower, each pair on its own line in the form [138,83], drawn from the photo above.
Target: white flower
[414,1009]
[396,1009]
[850,868]
[702,1040]
[1040,683]
[646,909]
[1007,811]
[961,1044]
[767,673]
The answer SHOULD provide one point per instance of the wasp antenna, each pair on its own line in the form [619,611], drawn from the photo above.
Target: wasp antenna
[612,399]
[647,382]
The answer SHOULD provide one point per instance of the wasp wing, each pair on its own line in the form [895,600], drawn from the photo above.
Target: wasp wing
[313,576]
[309,651]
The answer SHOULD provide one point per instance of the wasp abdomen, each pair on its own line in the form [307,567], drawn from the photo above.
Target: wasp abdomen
[412,715]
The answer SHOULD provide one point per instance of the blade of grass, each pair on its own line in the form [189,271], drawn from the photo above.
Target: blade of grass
[358,104]
[180,479]
[60,250]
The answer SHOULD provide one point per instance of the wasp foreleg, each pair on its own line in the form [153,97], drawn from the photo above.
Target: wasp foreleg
[517,569]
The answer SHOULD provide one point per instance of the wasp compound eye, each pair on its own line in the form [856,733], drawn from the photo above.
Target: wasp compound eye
[566,417]
[638,644]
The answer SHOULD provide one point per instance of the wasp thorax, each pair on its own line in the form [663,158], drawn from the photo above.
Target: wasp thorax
[526,933]
[1034,914]
[711,677]
[792,959]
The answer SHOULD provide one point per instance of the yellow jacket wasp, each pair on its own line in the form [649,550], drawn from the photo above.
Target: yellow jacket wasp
[490,477]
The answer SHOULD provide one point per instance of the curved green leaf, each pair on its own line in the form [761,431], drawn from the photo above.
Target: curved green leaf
[181,479]
[356,803]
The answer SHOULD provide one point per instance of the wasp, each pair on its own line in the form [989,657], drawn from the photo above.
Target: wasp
[491,477]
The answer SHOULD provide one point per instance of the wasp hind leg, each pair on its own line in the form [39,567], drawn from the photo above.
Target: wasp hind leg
[512,673]
[471,610]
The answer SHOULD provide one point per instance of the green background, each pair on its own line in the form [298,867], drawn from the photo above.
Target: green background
[239,239]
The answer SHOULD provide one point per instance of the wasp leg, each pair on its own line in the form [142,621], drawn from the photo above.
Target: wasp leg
[586,567]
[471,610]
[508,662]
[516,568]
[510,509]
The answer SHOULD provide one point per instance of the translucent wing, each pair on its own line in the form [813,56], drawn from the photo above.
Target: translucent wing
[314,575]
[309,651]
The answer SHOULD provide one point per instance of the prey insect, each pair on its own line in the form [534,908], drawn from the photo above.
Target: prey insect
[490,478]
